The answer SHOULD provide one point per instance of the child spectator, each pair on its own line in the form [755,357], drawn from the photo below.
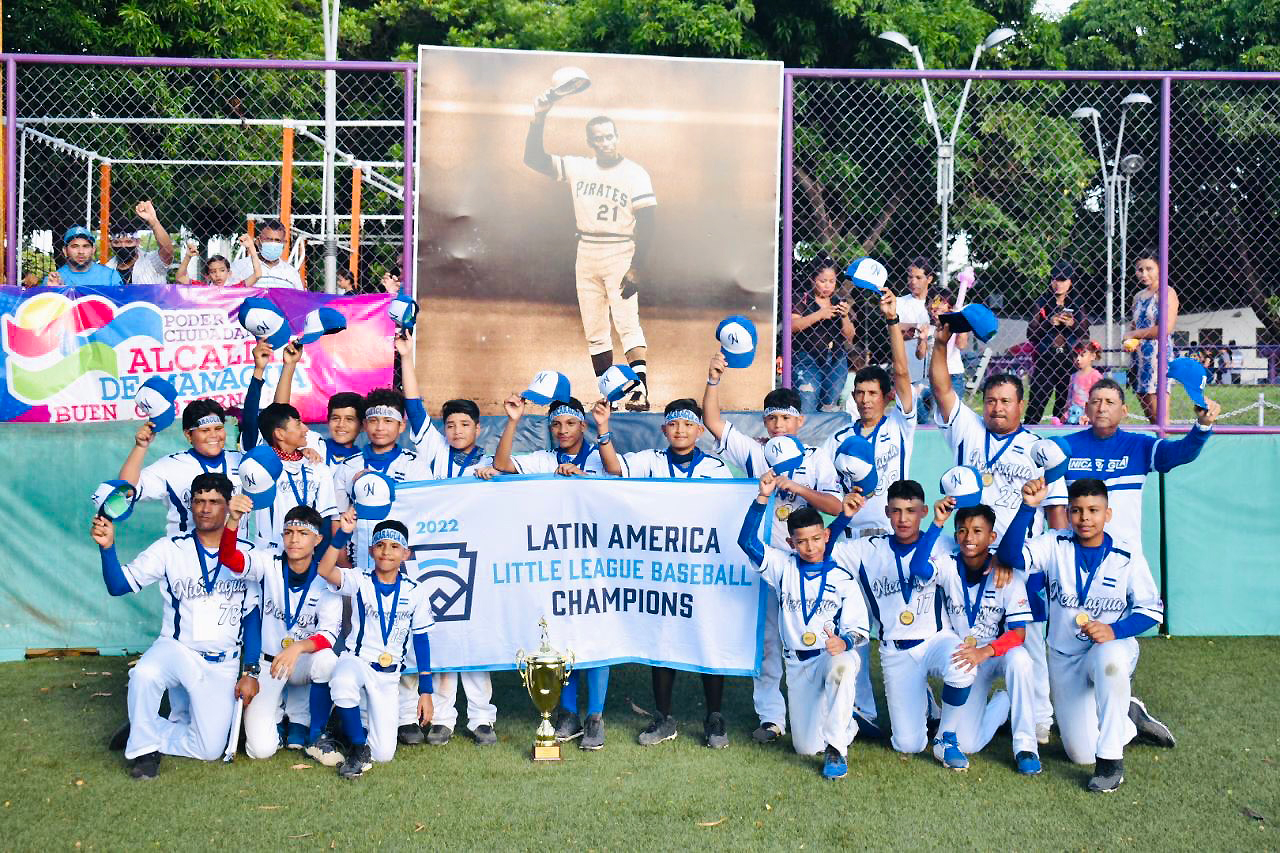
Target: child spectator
[1082,382]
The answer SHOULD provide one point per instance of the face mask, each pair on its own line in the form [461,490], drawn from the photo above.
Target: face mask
[124,254]
[271,251]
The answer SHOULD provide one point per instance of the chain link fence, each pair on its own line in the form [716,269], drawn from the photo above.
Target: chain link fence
[218,151]
[1048,178]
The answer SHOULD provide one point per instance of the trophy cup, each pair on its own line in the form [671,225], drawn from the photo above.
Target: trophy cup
[544,673]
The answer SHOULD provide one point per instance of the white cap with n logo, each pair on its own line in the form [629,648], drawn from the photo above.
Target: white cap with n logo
[373,493]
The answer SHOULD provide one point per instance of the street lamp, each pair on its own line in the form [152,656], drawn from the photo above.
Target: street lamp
[946,165]
[1110,193]
[1130,165]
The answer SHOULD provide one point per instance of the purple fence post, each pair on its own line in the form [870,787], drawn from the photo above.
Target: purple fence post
[1162,340]
[408,275]
[788,152]
[11,173]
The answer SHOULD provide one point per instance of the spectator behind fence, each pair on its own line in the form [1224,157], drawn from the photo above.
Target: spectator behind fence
[1143,335]
[347,284]
[80,269]
[941,303]
[276,271]
[135,264]
[1235,361]
[821,332]
[913,317]
[1082,382]
[217,270]
[1058,324]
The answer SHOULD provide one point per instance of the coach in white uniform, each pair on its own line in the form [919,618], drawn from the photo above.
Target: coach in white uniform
[614,206]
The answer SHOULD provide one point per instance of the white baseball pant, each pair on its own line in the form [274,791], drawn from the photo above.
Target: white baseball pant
[354,679]
[977,719]
[906,687]
[865,701]
[599,270]
[1091,693]
[202,731]
[261,738]
[766,688]
[1036,647]
[480,708]
[820,698]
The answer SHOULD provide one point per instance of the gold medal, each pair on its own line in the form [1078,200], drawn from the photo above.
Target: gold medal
[286,642]
[987,479]
[384,659]
[783,512]
[808,638]
[971,641]
[906,617]
[1082,619]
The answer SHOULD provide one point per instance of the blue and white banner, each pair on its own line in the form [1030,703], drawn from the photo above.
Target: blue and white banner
[639,571]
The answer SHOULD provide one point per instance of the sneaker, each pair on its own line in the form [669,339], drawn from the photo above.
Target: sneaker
[145,766]
[357,762]
[662,728]
[1042,733]
[326,750]
[439,735]
[946,750]
[638,400]
[713,731]
[1028,763]
[1108,773]
[1150,730]
[834,765]
[766,733]
[410,734]
[484,735]
[296,736]
[569,726]
[867,728]
[119,739]
[593,733]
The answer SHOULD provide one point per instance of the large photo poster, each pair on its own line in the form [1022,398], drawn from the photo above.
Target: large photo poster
[582,210]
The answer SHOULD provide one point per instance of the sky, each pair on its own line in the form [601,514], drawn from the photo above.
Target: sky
[1053,8]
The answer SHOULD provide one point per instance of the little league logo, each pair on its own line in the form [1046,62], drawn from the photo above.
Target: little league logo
[448,571]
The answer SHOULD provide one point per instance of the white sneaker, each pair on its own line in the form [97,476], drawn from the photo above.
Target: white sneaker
[1042,733]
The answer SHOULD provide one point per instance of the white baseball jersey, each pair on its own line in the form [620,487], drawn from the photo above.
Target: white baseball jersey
[445,462]
[815,473]
[301,483]
[147,269]
[1006,458]
[892,441]
[979,610]
[1120,584]
[383,616]
[884,568]
[281,274]
[403,466]
[658,463]
[289,610]
[547,461]
[605,198]
[203,600]
[169,479]
[330,451]
[808,604]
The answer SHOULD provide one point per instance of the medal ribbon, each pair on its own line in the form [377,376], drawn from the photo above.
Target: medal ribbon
[300,498]
[971,612]
[991,461]
[207,579]
[219,462]
[1083,583]
[379,461]
[291,618]
[562,457]
[673,468]
[387,626]
[464,462]
[821,574]
[903,580]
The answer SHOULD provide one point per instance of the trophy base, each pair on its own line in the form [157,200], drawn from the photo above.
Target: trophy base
[546,753]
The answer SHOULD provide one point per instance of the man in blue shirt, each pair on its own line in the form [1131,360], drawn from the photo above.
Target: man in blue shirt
[80,269]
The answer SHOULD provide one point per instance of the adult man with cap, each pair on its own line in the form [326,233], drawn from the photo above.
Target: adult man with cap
[1058,324]
[80,269]
[276,269]
[137,265]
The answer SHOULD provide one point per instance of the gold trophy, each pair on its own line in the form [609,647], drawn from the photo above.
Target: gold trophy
[544,673]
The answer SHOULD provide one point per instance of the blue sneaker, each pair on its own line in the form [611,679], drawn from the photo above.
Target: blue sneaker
[1028,763]
[296,736]
[867,729]
[946,750]
[834,765]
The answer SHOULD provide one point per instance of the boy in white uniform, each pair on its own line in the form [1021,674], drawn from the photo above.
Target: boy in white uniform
[822,618]
[302,482]
[1101,597]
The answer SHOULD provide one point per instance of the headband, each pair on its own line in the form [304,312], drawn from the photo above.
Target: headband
[207,420]
[390,534]
[782,410]
[299,524]
[683,415]
[568,410]
[383,412]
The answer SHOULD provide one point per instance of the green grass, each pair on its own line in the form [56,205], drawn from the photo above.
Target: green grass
[62,789]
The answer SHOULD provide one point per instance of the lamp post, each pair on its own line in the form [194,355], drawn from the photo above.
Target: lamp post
[1130,165]
[946,164]
[1110,194]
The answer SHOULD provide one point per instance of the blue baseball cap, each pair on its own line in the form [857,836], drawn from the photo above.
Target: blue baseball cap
[373,493]
[737,337]
[155,400]
[616,382]
[964,483]
[1052,454]
[856,458]
[974,318]
[260,468]
[784,454]
[77,231]
[115,499]
[868,273]
[404,311]
[547,386]
[1192,376]
[320,322]
[261,318]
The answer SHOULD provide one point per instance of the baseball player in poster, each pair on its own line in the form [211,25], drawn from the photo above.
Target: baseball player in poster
[615,209]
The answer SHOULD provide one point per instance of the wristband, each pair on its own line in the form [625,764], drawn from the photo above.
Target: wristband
[891,321]
[713,382]
[604,438]
[1004,642]
[340,540]
[252,669]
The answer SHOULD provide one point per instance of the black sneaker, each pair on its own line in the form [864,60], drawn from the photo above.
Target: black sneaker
[439,735]
[484,735]
[1150,730]
[410,734]
[662,728]
[1108,773]
[145,766]
[358,761]
[713,731]
[766,733]
[326,750]
[867,728]
[593,733]
[638,399]
[119,738]
[568,727]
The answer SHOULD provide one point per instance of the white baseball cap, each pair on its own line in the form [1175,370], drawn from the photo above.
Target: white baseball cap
[115,499]
[856,458]
[546,387]
[737,337]
[1051,454]
[320,322]
[261,318]
[964,483]
[155,400]
[373,494]
[404,311]
[784,454]
[259,470]
[868,273]
[616,382]
[569,80]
